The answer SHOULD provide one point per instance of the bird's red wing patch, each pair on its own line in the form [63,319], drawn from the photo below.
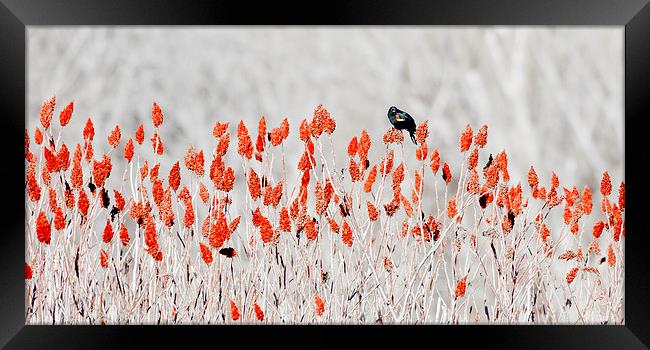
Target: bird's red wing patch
[399,118]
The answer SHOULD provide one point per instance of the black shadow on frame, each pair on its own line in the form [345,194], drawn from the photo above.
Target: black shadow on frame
[16,15]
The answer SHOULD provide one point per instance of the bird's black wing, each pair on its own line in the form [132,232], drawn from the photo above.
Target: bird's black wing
[411,123]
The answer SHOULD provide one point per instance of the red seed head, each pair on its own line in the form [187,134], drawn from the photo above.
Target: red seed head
[33,188]
[28,272]
[347,234]
[285,221]
[89,130]
[422,151]
[156,115]
[460,288]
[51,162]
[157,144]
[305,130]
[108,232]
[514,202]
[398,177]
[234,311]
[572,275]
[319,305]
[219,129]
[545,232]
[45,174]
[47,109]
[364,145]
[227,181]
[393,136]
[533,181]
[101,170]
[272,195]
[435,162]
[53,202]
[334,226]
[355,173]
[83,203]
[63,157]
[598,228]
[311,231]
[472,161]
[258,312]
[266,229]
[175,176]
[322,122]
[219,231]
[43,228]
[606,185]
[481,136]
[621,196]
[422,132]
[261,135]
[114,137]
[611,257]
[451,208]
[38,136]
[244,142]
[206,254]
[59,219]
[188,218]
[254,187]
[408,209]
[124,235]
[128,150]
[446,173]
[204,194]
[353,147]
[370,180]
[69,198]
[466,138]
[139,134]
[386,163]
[555,181]
[222,146]
[279,134]
[616,220]
[306,162]
[66,114]
[473,184]
[284,127]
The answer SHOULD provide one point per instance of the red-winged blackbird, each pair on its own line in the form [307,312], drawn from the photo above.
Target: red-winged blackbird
[402,121]
[228,252]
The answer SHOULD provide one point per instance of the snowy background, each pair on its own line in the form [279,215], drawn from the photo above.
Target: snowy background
[552,97]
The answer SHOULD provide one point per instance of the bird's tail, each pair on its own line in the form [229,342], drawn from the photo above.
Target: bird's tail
[412,133]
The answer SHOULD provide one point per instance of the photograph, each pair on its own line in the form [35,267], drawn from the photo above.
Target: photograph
[319,175]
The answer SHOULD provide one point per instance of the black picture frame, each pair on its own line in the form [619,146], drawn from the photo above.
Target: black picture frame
[17,15]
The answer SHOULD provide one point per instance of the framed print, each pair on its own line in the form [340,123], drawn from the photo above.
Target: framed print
[426,169]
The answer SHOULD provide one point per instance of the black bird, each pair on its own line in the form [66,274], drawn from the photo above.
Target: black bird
[402,120]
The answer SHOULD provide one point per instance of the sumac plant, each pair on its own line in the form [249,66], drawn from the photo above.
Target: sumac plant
[130,236]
